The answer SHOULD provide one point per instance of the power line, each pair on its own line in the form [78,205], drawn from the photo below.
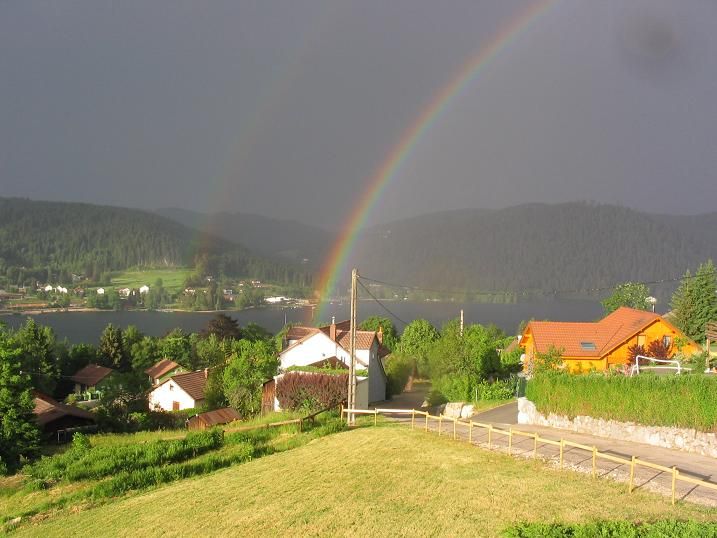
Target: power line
[381,303]
[523,292]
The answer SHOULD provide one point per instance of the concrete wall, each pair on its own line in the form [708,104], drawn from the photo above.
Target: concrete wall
[663,436]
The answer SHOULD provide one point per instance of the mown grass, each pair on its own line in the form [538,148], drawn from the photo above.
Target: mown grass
[686,401]
[92,475]
[172,279]
[379,481]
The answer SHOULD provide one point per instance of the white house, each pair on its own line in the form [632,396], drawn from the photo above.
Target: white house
[308,346]
[144,289]
[60,289]
[100,291]
[181,391]
[48,288]
[276,300]
[124,292]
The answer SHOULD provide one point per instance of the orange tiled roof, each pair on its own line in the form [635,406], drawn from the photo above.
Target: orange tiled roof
[590,339]
[364,339]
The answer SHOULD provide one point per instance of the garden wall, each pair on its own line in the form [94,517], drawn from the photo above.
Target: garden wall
[686,439]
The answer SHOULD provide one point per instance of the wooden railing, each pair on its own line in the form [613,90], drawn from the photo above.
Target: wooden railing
[633,463]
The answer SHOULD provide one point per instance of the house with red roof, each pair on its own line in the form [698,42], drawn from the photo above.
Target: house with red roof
[605,343]
[91,378]
[329,346]
[180,391]
[163,370]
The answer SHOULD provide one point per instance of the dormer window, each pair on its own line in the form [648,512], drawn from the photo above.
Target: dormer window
[588,346]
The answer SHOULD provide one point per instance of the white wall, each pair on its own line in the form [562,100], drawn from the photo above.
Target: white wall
[163,396]
[376,376]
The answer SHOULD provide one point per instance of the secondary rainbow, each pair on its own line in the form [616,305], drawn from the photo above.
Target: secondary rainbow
[336,261]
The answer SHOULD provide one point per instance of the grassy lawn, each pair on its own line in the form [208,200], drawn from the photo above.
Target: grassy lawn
[172,279]
[383,481]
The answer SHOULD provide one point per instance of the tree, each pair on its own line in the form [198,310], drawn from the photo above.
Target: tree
[694,303]
[630,294]
[38,355]
[415,341]
[386,326]
[256,332]
[19,436]
[111,349]
[122,395]
[250,364]
[223,327]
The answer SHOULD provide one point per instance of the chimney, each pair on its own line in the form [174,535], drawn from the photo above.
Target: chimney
[332,329]
[379,335]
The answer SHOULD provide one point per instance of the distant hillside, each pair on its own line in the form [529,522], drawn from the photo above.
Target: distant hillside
[37,238]
[276,238]
[536,247]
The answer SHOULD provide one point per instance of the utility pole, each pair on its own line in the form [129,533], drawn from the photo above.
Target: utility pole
[352,349]
[461,322]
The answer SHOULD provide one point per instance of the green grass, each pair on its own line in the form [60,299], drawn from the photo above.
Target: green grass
[383,481]
[172,279]
[685,401]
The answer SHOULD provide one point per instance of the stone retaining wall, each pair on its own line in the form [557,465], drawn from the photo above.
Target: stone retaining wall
[666,437]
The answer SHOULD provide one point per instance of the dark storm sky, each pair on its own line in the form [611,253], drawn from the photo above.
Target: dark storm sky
[286,108]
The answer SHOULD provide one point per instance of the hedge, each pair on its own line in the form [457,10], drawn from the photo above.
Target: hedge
[304,390]
[684,401]
[614,529]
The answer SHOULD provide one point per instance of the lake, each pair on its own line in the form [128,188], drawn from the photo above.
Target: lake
[80,327]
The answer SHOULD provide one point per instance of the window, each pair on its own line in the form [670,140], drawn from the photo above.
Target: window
[667,340]
[641,340]
[171,387]
[588,346]
[175,406]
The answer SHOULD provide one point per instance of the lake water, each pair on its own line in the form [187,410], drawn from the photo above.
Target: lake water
[86,327]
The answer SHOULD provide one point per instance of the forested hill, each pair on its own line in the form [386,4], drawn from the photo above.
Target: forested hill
[92,240]
[536,247]
[283,239]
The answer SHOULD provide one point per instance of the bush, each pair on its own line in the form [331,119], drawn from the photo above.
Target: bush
[614,529]
[684,401]
[297,390]
[82,461]
[398,369]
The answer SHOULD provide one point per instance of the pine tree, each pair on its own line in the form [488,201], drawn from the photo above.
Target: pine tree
[19,436]
[695,301]
[683,306]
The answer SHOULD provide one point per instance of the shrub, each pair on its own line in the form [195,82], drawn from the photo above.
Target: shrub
[297,390]
[614,529]
[398,369]
[685,401]
[658,350]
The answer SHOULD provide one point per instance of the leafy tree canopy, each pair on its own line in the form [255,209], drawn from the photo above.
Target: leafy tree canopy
[376,323]
[631,294]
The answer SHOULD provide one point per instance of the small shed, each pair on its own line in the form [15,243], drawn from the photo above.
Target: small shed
[209,419]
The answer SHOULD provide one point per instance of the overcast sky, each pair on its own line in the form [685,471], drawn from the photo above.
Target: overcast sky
[286,108]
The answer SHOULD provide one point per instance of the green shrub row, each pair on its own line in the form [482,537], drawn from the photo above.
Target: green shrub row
[152,476]
[83,462]
[467,388]
[685,401]
[614,529]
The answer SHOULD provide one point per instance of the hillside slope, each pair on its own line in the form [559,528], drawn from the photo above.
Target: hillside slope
[284,239]
[42,239]
[418,485]
[535,247]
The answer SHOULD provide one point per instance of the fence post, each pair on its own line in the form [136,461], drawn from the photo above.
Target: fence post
[470,431]
[562,449]
[413,418]
[535,445]
[674,483]
[632,474]
[454,428]
[375,417]
[342,411]
[440,423]
[426,421]
[594,461]
[490,434]
[510,440]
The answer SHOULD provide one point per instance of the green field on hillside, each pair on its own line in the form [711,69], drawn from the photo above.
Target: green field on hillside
[172,279]
[383,481]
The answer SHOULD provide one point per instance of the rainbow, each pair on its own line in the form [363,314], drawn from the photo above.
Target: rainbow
[336,260]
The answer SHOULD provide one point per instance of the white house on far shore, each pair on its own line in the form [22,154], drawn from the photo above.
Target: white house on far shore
[144,289]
